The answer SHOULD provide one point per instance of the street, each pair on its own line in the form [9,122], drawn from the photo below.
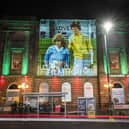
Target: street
[63,123]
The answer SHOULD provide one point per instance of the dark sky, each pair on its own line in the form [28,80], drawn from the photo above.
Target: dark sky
[66,9]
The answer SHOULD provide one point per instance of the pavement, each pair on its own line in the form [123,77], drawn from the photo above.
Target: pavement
[63,123]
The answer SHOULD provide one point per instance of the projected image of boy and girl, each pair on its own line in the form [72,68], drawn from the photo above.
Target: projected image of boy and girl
[57,56]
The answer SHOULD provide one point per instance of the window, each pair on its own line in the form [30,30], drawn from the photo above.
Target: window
[117,85]
[12,94]
[88,90]
[43,88]
[66,87]
[13,86]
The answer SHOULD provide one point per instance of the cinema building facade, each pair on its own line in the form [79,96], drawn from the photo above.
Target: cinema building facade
[23,45]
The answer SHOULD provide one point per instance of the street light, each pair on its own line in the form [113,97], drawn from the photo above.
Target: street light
[107,27]
[23,86]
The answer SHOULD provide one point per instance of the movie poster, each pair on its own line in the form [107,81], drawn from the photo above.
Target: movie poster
[118,96]
[67,47]
[91,104]
[81,105]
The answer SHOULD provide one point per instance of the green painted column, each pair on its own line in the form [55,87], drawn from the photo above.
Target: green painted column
[123,62]
[6,57]
[25,56]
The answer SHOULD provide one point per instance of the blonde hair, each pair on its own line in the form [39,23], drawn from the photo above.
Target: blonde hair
[60,37]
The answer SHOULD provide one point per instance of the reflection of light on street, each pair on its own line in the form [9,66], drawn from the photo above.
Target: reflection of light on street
[122,118]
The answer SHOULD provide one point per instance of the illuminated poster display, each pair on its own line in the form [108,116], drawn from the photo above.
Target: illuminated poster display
[118,95]
[16,61]
[91,104]
[115,62]
[67,47]
[82,105]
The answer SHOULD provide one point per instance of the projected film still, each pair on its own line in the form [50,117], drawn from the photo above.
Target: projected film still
[67,47]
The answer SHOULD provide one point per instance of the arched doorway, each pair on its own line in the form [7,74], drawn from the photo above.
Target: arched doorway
[118,96]
[12,94]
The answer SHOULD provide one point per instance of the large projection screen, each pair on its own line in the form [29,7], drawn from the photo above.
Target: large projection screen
[67,47]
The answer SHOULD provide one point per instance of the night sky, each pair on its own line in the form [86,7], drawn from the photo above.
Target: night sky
[66,9]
